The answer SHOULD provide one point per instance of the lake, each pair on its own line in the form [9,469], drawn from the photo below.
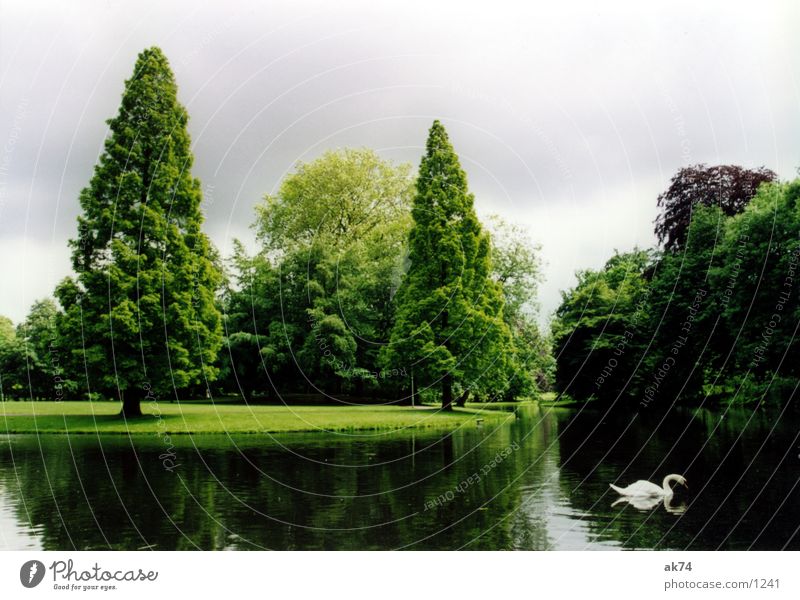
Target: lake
[537,481]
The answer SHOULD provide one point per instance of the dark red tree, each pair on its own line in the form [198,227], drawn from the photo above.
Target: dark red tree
[728,186]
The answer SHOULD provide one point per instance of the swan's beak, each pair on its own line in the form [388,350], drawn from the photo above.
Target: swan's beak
[686,484]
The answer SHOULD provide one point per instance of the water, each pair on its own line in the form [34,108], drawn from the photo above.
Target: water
[538,481]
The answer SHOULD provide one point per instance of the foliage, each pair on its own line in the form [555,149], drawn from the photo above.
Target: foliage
[719,322]
[336,200]
[47,377]
[761,270]
[30,356]
[517,268]
[12,361]
[685,331]
[598,331]
[516,265]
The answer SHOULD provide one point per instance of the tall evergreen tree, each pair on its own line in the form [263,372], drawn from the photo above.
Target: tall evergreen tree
[142,312]
[449,329]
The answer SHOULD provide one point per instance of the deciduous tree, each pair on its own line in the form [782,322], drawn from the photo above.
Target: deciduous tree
[601,328]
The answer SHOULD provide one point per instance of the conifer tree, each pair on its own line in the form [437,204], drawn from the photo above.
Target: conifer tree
[141,316]
[449,329]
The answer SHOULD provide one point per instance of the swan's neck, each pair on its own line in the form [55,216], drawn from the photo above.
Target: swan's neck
[667,480]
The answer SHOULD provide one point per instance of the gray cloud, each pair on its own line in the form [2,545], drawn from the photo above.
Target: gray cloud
[568,120]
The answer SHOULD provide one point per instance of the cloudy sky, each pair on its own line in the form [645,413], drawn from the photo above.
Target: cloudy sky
[569,119]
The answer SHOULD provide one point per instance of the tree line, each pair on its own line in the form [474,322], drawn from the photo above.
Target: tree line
[373,281]
[712,316]
[369,281]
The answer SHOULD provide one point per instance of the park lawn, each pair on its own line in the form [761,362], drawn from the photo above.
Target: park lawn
[175,418]
[553,400]
[543,398]
[504,405]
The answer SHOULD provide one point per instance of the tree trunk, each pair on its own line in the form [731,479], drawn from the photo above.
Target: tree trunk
[447,393]
[462,399]
[131,406]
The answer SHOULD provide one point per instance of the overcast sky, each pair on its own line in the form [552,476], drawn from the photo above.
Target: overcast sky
[568,119]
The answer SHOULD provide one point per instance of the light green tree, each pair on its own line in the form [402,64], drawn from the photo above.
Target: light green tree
[341,198]
[310,311]
[517,267]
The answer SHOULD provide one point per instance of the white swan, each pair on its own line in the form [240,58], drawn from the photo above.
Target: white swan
[645,488]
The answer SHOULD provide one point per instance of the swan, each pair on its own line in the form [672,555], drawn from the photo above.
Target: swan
[645,488]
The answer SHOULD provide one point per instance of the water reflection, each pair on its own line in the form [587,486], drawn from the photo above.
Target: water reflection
[538,481]
[645,503]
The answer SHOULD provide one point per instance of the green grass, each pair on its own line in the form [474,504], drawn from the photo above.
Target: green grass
[166,418]
[554,400]
[500,405]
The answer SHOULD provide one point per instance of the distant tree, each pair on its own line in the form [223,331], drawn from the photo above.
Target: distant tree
[601,329]
[249,300]
[12,360]
[46,376]
[335,200]
[728,187]
[449,325]
[142,313]
[517,268]
[7,332]
[516,265]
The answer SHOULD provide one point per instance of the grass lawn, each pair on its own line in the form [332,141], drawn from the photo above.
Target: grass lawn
[554,400]
[101,417]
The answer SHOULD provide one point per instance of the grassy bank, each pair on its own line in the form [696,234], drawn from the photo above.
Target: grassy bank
[101,417]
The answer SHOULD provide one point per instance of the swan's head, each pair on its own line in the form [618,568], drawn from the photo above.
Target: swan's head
[678,479]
